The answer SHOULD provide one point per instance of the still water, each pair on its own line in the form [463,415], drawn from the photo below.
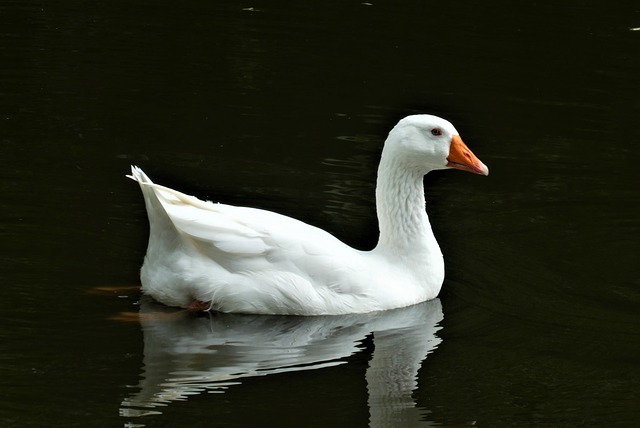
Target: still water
[284,106]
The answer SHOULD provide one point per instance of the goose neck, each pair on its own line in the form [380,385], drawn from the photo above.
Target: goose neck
[403,221]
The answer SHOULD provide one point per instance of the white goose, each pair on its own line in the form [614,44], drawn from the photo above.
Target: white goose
[208,256]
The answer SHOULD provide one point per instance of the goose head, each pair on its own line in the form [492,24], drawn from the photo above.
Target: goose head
[424,143]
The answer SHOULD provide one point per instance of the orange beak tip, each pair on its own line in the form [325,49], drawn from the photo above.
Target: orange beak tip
[483,169]
[460,157]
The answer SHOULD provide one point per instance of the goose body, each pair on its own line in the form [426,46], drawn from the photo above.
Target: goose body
[210,256]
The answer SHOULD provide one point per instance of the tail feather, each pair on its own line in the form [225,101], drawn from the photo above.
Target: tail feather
[155,211]
[164,194]
[138,175]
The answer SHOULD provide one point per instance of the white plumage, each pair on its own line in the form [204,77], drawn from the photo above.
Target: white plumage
[203,255]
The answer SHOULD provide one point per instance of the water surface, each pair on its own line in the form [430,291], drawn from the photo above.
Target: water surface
[285,107]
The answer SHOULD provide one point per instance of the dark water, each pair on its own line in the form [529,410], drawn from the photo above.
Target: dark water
[284,105]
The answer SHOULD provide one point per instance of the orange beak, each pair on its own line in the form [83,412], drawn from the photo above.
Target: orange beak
[460,157]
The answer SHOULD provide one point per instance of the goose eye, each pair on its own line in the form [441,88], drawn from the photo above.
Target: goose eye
[436,132]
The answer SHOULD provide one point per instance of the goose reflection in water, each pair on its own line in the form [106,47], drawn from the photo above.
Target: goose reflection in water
[185,355]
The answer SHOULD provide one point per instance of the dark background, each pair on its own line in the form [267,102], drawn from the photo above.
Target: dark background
[285,106]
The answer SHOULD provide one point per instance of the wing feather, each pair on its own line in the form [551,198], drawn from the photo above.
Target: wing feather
[205,222]
[232,235]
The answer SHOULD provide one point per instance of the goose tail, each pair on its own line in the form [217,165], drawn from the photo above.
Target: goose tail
[138,175]
[162,228]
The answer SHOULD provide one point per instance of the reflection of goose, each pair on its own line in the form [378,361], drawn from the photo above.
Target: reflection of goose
[236,259]
[184,355]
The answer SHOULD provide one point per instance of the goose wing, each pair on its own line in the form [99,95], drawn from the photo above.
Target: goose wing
[252,239]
